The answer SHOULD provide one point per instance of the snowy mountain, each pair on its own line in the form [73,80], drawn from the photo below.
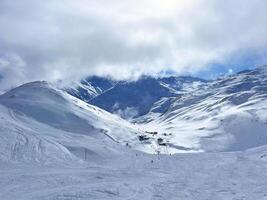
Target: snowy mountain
[193,115]
[228,114]
[90,87]
[130,99]
[41,123]
[183,83]
[136,98]
[188,114]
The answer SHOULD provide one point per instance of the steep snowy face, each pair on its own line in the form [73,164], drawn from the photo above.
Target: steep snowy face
[228,114]
[134,99]
[130,99]
[235,90]
[46,105]
[183,83]
[90,87]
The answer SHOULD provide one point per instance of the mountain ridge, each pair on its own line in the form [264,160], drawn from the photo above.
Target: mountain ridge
[125,96]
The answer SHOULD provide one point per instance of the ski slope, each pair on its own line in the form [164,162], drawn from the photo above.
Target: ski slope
[203,176]
[56,147]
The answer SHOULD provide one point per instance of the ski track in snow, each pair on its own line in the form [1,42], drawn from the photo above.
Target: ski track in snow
[225,176]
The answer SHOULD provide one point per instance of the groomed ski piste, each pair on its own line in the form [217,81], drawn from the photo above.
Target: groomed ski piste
[54,146]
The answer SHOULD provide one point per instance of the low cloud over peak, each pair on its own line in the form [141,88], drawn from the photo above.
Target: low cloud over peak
[68,39]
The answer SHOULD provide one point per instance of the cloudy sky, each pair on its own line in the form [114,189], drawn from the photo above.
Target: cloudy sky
[69,39]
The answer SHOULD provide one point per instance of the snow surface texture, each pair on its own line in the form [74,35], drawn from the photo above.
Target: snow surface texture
[54,146]
[204,176]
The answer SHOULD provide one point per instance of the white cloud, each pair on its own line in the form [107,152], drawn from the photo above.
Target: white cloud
[66,39]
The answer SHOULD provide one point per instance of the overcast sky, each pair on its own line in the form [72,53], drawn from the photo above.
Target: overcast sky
[68,39]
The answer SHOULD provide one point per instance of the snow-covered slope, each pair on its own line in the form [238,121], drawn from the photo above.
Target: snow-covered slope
[20,143]
[130,99]
[186,114]
[203,176]
[229,114]
[41,123]
[90,87]
[136,98]
[183,83]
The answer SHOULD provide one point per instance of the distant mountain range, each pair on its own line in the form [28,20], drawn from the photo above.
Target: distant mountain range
[228,114]
[90,87]
[193,114]
[132,99]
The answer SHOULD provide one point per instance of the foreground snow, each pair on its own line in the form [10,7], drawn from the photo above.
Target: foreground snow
[239,175]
